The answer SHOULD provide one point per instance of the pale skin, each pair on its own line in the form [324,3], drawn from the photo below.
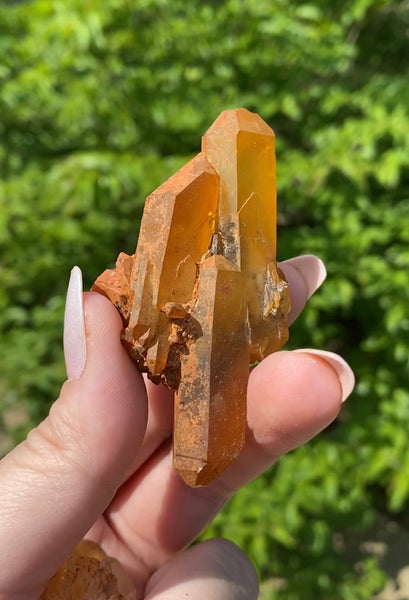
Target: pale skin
[100,466]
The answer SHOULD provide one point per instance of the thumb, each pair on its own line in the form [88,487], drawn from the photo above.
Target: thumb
[54,485]
[214,569]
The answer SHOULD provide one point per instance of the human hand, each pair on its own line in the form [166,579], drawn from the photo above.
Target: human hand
[100,465]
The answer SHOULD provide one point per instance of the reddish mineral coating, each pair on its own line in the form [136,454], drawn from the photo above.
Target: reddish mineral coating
[202,297]
[115,284]
[208,433]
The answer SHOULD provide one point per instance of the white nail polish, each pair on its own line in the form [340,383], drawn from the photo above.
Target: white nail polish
[75,346]
[341,367]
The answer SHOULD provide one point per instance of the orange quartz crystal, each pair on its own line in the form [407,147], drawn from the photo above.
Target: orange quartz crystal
[89,574]
[202,297]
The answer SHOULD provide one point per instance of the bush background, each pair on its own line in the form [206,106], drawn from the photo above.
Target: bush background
[101,100]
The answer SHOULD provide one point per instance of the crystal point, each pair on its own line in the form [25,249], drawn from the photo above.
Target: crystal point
[202,297]
[210,403]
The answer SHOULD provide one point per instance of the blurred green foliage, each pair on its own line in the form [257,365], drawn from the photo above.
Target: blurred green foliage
[101,100]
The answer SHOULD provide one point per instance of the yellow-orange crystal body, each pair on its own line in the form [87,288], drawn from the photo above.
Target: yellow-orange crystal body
[240,147]
[167,256]
[202,297]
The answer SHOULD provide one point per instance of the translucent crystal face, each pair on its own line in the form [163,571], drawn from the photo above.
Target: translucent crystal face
[202,298]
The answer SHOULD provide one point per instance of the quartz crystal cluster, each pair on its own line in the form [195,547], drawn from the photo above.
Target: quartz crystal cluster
[202,298]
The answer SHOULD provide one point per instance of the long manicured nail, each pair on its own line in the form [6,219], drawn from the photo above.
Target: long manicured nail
[311,268]
[75,345]
[341,367]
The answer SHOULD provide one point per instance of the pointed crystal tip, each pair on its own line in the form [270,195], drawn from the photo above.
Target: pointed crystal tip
[240,119]
[204,474]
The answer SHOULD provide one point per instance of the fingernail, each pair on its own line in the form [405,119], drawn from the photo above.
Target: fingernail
[341,367]
[312,271]
[75,346]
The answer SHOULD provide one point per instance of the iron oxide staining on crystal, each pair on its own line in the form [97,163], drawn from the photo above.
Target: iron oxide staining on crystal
[202,298]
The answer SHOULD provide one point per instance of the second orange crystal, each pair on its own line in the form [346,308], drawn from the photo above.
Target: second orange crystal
[202,298]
